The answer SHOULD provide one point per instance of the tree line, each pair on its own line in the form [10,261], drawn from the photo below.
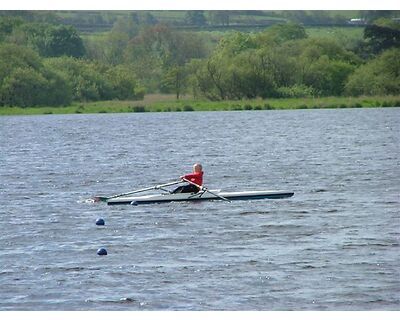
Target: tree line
[283,62]
[44,63]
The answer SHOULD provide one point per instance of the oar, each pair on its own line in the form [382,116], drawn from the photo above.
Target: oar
[206,189]
[98,198]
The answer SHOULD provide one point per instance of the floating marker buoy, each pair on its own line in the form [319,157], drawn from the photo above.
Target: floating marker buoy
[102,252]
[100,222]
[134,203]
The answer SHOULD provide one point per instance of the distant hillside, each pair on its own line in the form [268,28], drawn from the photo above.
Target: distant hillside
[102,21]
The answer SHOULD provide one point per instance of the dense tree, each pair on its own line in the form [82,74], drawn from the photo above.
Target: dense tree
[23,87]
[280,33]
[63,40]
[8,24]
[382,35]
[13,56]
[327,76]
[158,50]
[174,80]
[129,26]
[124,84]
[114,47]
[24,81]
[254,75]
[322,64]
[379,76]
[235,43]
[86,79]
[47,39]
[91,81]
[249,73]
[371,15]
[313,48]
[27,80]
[281,61]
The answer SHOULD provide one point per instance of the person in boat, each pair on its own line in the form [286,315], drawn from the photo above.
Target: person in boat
[196,177]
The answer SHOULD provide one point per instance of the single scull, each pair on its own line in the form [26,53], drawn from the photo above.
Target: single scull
[203,194]
[244,195]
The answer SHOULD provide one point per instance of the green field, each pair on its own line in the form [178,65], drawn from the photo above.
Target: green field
[212,37]
[167,103]
[335,32]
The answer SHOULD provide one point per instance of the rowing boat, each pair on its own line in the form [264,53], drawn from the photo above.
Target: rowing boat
[203,194]
[208,195]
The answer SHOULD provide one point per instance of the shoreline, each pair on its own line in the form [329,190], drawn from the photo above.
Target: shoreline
[168,103]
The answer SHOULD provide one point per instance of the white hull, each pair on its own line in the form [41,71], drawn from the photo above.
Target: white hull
[167,197]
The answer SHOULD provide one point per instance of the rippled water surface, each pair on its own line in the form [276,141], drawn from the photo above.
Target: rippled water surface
[333,246]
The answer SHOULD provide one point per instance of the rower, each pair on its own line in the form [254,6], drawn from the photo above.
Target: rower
[196,177]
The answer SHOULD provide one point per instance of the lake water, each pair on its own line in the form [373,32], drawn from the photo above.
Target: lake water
[333,246]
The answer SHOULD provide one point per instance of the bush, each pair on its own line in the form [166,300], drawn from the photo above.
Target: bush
[380,76]
[236,107]
[51,40]
[267,106]
[123,83]
[24,87]
[296,91]
[388,104]
[139,109]
[188,108]
[87,80]
[25,81]
[80,109]
[331,106]
[91,81]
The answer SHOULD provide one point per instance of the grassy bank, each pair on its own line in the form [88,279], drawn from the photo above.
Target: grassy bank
[168,103]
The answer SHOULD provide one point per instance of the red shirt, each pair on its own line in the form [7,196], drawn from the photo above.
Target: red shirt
[196,177]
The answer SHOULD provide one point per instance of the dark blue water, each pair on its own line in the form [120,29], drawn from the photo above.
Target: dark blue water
[333,246]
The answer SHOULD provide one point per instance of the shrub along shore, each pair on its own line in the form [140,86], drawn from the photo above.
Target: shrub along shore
[167,104]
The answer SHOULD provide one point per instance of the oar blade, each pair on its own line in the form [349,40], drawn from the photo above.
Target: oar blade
[100,199]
